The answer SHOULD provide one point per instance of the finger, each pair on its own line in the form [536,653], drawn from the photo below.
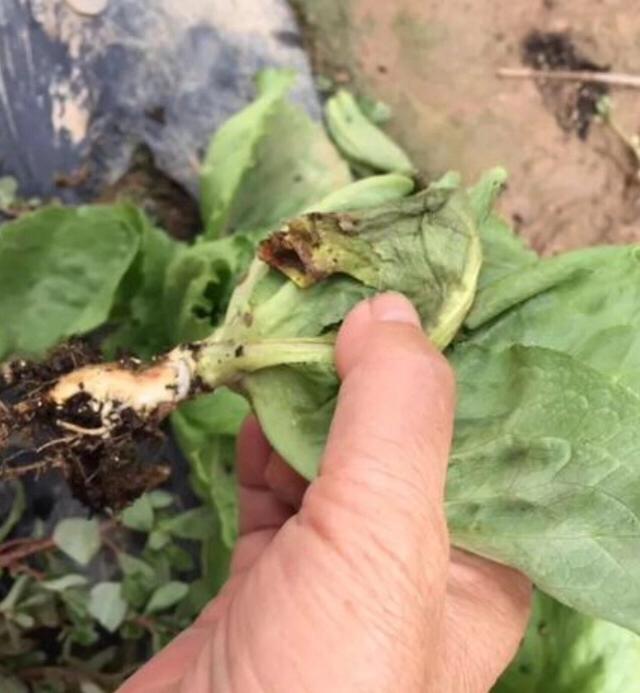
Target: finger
[395,409]
[285,482]
[381,484]
[259,508]
[252,453]
[489,605]
[260,512]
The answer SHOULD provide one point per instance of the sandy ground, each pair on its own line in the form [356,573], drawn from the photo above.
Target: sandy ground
[435,61]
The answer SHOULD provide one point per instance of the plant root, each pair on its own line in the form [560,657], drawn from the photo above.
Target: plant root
[99,424]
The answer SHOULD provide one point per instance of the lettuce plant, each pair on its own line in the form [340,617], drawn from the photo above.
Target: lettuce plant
[544,467]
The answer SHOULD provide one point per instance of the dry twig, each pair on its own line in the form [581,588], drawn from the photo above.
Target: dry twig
[614,79]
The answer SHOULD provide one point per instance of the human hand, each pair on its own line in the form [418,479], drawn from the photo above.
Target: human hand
[348,584]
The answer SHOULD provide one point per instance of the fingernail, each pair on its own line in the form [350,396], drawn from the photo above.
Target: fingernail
[392,307]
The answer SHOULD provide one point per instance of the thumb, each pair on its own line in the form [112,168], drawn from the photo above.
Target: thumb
[381,485]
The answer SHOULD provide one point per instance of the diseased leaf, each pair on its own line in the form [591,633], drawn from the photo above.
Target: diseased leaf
[166,596]
[78,538]
[360,140]
[60,269]
[543,476]
[567,652]
[327,263]
[431,236]
[107,605]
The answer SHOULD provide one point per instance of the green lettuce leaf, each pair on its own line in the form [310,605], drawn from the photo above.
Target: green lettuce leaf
[544,475]
[362,194]
[206,429]
[60,270]
[503,252]
[266,163]
[360,140]
[138,315]
[295,164]
[198,284]
[567,652]
[585,303]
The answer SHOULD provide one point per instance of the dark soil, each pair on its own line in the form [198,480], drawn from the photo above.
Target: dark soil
[574,105]
[104,471]
[164,200]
